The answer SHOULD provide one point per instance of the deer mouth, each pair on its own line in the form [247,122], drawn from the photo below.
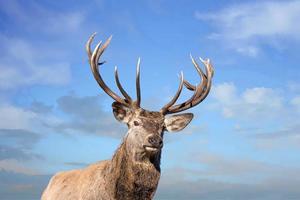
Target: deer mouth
[152,149]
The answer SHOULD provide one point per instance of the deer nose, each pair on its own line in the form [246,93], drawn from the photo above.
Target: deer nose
[155,141]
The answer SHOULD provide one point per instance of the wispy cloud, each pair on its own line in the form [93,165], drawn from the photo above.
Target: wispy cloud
[16,147]
[23,64]
[17,119]
[76,164]
[270,189]
[296,102]
[13,117]
[245,26]
[265,114]
[16,186]
[86,115]
[18,137]
[27,58]
[13,165]
[253,103]
[72,114]
[238,168]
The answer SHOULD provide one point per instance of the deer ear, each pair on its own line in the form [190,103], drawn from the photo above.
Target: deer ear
[178,122]
[121,112]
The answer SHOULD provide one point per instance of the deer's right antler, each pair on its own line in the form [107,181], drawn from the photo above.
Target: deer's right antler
[94,63]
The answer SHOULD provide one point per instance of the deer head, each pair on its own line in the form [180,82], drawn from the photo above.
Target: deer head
[145,128]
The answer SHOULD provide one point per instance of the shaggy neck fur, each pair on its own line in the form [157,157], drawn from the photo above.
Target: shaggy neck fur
[131,179]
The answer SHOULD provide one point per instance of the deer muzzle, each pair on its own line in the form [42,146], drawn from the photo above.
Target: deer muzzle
[153,143]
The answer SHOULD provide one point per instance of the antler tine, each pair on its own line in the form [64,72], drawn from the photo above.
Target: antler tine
[189,86]
[138,87]
[120,86]
[210,74]
[88,45]
[208,66]
[203,80]
[201,90]
[94,63]
[176,96]
[102,49]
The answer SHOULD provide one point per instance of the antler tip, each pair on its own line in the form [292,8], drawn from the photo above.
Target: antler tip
[180,75]
[202,60]
[92,37]
[138,65]
[138,87]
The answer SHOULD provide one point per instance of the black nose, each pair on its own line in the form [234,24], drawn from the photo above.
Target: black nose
[155,141]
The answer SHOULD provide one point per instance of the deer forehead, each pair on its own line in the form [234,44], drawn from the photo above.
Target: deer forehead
[150,120]
[149,116]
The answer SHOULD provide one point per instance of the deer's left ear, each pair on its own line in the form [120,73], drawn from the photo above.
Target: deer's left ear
[178,122]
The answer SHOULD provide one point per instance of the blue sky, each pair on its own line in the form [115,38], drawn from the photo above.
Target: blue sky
[244,141]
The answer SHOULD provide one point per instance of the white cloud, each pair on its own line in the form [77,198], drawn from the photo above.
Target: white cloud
[175,185]
[296,102]
[16,166]
[26,120]
[15,118]
[248,50]
[242,26]
[226,93]
[253,103]
[64,22]
[294,86]
[83,115]
[264,114]
[35,51]
[22,64]
[262,96]
[218,165]
[215,176]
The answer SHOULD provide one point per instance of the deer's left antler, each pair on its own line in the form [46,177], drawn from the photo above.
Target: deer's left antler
[200,91]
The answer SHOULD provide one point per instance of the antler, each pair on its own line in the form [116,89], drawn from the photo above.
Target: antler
[94,63]
[200,91]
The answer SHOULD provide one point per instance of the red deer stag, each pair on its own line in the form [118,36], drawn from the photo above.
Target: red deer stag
[134,171]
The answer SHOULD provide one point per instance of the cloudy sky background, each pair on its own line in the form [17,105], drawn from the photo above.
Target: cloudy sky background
[244,142]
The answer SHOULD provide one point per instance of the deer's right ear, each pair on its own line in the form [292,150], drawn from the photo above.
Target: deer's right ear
[121,112]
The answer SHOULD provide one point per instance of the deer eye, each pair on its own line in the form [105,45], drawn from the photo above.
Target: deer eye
[136,123]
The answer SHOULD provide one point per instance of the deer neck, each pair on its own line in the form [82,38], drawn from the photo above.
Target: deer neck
[132,178]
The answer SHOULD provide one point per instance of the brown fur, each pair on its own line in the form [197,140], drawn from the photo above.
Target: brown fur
[116,179]
[134,180]
[134,171]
